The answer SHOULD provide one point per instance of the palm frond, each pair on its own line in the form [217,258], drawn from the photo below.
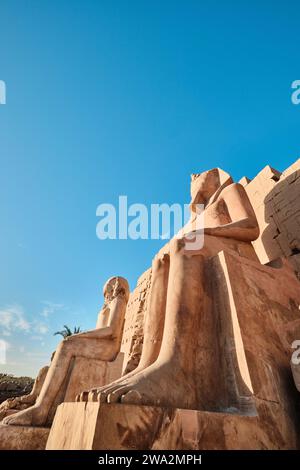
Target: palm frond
[68,332]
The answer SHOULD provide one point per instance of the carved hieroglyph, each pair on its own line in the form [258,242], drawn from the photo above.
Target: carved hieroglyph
[208,333]
[275,198]
[133,333]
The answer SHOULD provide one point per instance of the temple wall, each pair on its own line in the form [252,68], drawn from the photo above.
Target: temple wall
[241,351]
[275,198]
[255,309]
[133,334]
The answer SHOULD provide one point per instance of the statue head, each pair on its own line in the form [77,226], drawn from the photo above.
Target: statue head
[114,287]
[206,186]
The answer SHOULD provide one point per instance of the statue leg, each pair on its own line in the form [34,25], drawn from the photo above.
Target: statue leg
[171,379]
[153,329]
[37,387]
[155,320]
[37,414]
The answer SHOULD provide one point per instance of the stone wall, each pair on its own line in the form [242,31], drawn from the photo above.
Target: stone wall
[250,402]
[133,334]
[275,198]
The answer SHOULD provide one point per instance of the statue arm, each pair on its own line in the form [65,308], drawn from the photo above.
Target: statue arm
[98,333]
[117,308]
[243,225]
[238,230]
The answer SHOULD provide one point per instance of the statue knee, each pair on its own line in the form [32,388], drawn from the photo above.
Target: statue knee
[63,346]
[177,246]
[160,262]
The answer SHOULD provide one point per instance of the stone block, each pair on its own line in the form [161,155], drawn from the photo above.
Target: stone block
[87,373]
[244,181]
[253,404]
[94,426]
[23,437]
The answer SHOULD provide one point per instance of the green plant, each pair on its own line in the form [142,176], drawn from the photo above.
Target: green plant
[68,332]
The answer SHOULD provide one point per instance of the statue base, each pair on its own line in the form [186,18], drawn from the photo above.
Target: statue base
[23,437]
[255,309]
[95,426]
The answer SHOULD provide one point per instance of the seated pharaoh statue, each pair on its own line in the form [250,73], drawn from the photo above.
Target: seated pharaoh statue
[179,331]
[102,343]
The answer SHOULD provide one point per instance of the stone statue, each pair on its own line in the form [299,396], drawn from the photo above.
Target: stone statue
[103,343]
[178,330]
[154,324]
[15,404]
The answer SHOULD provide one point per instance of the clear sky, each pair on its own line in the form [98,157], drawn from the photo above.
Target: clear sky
[109,98]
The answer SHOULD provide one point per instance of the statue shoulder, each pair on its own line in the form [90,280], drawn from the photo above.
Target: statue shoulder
[233,188]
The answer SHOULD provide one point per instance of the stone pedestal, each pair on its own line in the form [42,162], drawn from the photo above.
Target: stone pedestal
[84,374]
[23,437]
[94,426]
[256,310]
[87,373]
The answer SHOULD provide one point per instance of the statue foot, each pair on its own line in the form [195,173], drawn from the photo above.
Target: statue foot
[93,394]
[159,385]
[30,417]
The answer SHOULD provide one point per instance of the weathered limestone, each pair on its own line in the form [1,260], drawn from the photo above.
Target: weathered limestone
[102,426]
[133,333]
[180,305]
[249,400]
[275,199]
[80,359]
[244,181]
[154,322]
[23,437]
[207,337]
[13,405]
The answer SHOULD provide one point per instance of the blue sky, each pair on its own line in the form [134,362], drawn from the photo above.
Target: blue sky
[109,98]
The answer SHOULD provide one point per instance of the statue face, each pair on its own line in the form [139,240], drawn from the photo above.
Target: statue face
[204,186]
[114,286]
[109,290]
